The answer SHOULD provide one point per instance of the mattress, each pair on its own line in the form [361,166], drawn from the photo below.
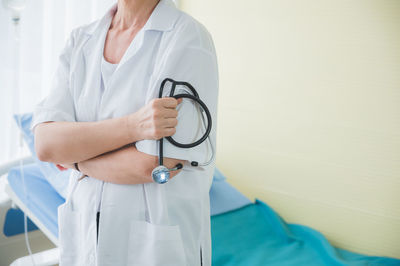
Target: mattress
[243,232]
[40,198]
[256,235]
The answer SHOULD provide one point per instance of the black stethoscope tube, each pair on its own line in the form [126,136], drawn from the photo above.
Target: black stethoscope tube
[195,97]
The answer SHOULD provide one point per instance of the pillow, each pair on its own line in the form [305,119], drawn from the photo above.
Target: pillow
[218,175]
[57,179]
[224,197]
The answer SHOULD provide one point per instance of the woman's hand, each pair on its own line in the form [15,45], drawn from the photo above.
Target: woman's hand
[63,167]
[156,120]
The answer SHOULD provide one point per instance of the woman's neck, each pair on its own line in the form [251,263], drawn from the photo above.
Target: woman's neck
[132,13]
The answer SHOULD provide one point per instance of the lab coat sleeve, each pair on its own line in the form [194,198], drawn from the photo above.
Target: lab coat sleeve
[198,66]
[58,105]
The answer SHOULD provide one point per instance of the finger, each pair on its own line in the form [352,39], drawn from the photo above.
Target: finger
[169,102]
[61,168]
[169,131]
[170,113]
[180,100]
[170,122]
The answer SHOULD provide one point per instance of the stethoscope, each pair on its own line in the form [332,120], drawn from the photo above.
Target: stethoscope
[161,174]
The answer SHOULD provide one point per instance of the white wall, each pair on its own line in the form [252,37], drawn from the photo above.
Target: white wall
[309,112]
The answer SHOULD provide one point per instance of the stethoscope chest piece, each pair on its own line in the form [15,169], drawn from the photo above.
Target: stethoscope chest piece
[160,174]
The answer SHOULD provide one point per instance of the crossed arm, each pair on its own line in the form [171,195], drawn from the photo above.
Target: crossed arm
[126,165]
[105,149]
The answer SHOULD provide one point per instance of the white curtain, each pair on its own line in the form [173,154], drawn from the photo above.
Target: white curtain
[44,27]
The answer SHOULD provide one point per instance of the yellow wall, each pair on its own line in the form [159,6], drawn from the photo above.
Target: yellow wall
[309,112]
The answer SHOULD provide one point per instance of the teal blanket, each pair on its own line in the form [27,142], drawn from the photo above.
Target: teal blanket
[256,235]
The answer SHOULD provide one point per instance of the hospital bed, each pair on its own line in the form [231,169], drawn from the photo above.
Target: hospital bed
[243,232]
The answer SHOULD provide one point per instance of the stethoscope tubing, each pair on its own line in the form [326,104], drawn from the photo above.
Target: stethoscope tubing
[195,97]
[209,124]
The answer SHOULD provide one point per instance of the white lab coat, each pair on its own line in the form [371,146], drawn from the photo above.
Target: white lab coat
[144,224]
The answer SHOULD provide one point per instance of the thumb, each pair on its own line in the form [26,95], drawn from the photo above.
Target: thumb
[180,100]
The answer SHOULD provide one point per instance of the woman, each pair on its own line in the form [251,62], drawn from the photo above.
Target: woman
[102,118]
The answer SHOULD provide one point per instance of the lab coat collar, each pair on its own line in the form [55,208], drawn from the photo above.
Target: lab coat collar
[162,18]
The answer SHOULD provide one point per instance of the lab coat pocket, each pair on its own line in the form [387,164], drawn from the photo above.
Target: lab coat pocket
[155,245]
[69,235]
